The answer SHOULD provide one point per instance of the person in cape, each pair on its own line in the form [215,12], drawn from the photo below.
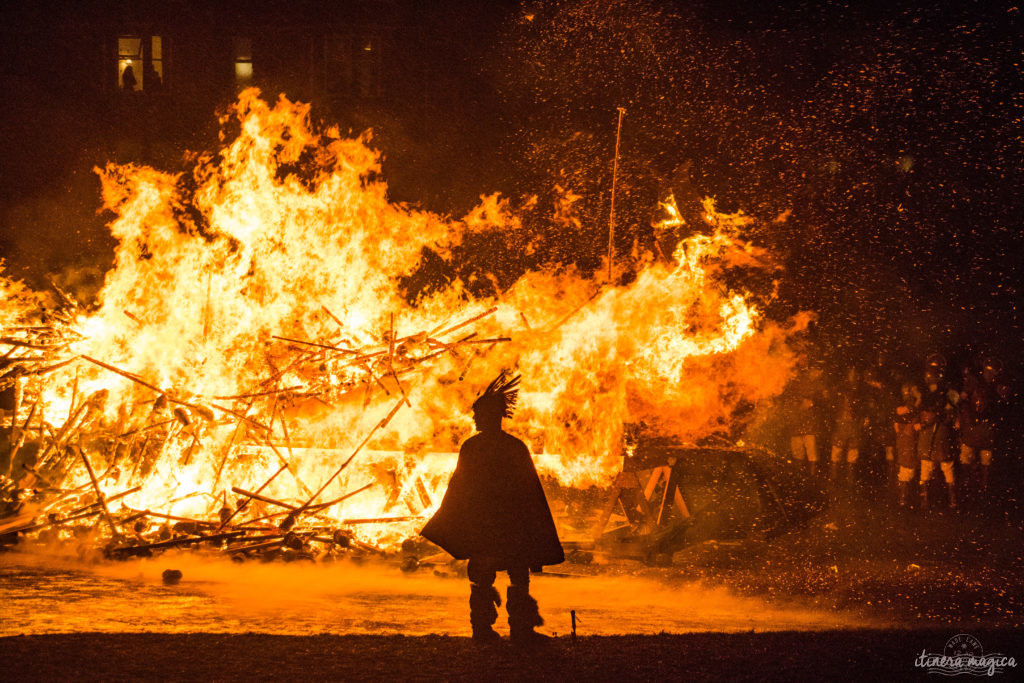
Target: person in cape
[495,514]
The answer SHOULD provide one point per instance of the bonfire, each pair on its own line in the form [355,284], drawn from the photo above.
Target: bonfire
[252,378]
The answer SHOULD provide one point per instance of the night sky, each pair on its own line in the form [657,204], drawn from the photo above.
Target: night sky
[878,145]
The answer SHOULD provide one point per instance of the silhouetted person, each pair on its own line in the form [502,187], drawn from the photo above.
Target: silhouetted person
[979,419]
[934,448]
[905,421]
[848,429]
[879,407]
[494,513]
[128,81]
[151,79]
[805,398]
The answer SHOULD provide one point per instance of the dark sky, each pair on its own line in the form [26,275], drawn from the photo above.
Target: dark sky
[889,132]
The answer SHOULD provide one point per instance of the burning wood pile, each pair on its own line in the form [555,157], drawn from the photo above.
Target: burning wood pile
[39,495]
[255,374]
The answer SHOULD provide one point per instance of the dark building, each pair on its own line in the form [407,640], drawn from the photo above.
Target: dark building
[160,70]
[407,70]
[324,49]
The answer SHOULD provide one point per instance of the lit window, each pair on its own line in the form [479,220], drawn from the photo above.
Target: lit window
[243,62]
[140,63]
[129,63]
[156,59]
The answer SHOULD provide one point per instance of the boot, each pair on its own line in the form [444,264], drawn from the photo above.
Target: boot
[904,493]
[952,495]
[523,616]
[483,611]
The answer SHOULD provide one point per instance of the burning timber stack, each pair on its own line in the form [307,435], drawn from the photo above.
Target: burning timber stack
[255,376]
[103,483]
[162,467]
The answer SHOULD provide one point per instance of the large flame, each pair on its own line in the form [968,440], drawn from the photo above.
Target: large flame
[286,236]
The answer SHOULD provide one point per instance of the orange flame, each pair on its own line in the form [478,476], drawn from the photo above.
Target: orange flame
[209,284]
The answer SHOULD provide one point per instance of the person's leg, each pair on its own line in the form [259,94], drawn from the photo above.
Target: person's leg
[969,472]
[904,477]
[948,473]
[835,461]
[985,455]
[852,456]
[796,446]
[927,466]
[811,447]
[519,576]
[483,599]
[523,613]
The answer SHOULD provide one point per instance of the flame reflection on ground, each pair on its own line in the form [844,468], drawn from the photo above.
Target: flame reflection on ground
[53,595]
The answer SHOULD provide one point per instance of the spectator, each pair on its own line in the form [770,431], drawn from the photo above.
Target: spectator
[848,427]
[905,422]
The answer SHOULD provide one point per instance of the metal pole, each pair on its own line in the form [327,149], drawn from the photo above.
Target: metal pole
[611,214]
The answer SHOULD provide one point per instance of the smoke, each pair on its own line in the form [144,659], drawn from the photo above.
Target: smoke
[217,596]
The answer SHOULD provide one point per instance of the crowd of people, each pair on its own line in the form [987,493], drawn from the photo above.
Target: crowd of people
[907,426]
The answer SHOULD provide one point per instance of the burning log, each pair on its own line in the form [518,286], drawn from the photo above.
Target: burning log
[284,461]
[123,551]
[21,343]
[99,496]
[186,457]
[174,518]
[83,512]
[263,545]
[380,425]
[146,428]
[265,499]
[287,443]
[379,520]
[328,347]
[224,522]
[14,413]
[58,440]
[320,507]
[261,394]
[17,444]
[202,410]
[314,509]
[230,443]
[53,368]
[244,418]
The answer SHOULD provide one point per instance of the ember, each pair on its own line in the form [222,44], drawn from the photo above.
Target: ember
[252,378]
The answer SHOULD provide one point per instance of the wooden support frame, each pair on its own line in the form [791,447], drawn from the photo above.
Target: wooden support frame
[635,499]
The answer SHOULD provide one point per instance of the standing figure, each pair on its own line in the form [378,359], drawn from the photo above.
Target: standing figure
[806,396]
[848,427]
[128,80]
[905,422]
[979,407]
[495,514]
[933,448]
[937,414]
[879,406]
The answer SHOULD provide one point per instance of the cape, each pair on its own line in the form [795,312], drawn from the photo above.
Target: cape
[495,507]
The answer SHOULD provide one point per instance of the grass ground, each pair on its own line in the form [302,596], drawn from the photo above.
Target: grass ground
[787,656]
